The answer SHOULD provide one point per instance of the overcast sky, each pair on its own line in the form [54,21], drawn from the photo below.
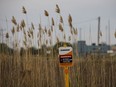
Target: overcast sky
[83,12]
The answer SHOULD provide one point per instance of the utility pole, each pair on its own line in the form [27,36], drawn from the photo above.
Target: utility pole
[80,33]
[90,38]
[1,39]
[98,30]
[109,32]
[1,35]
[106,35]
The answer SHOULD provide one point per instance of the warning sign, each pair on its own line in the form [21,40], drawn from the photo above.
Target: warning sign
[65,56]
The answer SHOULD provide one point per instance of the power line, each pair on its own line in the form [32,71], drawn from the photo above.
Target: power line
[4,20]
[75,23]
[85,21]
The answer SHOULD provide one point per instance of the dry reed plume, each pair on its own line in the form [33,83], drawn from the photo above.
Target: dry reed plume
[39,67]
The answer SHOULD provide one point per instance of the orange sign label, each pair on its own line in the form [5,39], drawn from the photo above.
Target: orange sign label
[65,56]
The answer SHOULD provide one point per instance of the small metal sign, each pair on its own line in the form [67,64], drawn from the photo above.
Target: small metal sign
[65,56]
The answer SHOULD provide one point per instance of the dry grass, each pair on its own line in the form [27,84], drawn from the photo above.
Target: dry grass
[36,71]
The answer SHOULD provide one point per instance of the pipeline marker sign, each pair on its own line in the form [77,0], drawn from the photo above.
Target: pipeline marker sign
[65,56]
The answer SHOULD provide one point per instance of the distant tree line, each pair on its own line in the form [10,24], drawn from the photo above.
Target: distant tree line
[32,50]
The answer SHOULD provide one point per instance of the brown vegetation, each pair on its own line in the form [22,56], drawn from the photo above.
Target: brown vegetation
[32,67]
[36,71]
